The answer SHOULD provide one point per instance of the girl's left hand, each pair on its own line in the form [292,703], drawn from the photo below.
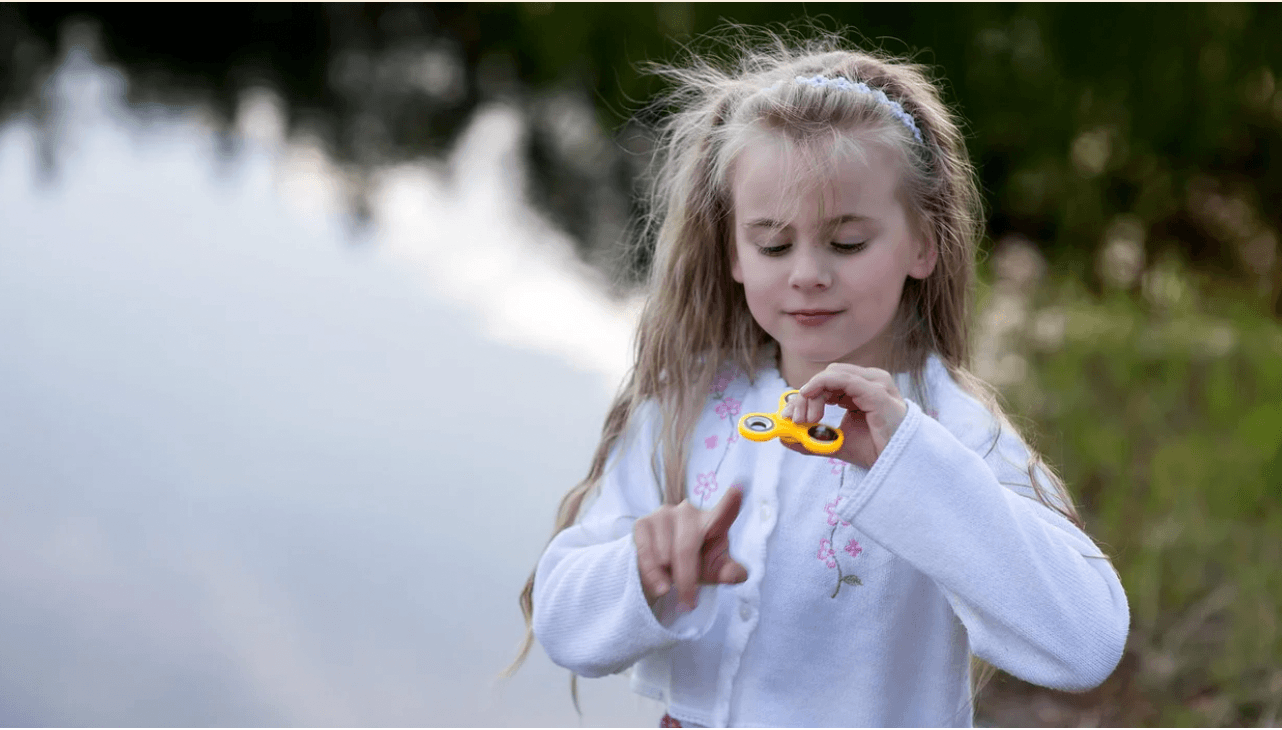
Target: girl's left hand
[874,409]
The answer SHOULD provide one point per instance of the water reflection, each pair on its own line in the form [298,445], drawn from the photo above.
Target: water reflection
[243,479]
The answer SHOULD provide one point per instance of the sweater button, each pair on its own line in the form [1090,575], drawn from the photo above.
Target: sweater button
[765,512]
[745,610]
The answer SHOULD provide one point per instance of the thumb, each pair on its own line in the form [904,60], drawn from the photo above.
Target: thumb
[732,572]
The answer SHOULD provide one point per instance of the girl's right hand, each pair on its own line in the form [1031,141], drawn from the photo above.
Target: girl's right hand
[684,546]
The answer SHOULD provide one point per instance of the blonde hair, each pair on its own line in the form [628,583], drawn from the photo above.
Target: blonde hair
[696,320]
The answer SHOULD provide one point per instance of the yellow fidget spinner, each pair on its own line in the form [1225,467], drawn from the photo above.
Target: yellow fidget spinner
[816,437]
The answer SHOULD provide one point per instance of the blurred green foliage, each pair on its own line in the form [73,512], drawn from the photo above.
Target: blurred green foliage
[1165,418]
[1079,116]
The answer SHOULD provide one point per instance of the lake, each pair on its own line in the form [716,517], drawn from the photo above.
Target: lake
[262,466]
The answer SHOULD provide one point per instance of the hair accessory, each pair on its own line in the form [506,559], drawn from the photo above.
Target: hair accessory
[845,84]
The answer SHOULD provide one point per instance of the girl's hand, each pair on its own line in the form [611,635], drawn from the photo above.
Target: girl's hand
[874,409]
[684,546]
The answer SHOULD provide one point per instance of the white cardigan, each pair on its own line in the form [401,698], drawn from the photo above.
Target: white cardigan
[867,590]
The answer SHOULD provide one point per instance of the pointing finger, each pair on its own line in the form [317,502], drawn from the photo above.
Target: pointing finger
[724,514]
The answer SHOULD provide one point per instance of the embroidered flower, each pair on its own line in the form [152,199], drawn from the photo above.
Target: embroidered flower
[932,413]
[828,549]
[732,438]
[837,466]
[722,382]
[711,441]
[728,407]
[827,554]
[706,484]
[833,519]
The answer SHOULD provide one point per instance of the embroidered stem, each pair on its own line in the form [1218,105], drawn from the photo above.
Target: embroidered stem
[842,578]
[731,412]
[831,535]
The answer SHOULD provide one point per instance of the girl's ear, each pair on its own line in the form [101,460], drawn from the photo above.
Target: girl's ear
[926,258]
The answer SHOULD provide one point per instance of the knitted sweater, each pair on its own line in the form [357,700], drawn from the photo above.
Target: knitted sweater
[867,590]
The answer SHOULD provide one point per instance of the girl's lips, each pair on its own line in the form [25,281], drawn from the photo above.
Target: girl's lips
[812,317]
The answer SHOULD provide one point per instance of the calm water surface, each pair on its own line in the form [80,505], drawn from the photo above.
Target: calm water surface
[259,470]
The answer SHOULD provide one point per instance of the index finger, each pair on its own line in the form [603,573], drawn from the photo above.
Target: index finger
[724,514]
[853,388]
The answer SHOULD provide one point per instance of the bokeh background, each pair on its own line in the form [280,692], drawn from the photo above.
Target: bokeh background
[309,314]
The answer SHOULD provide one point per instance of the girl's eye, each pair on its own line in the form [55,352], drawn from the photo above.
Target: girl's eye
[774,250]
[849,247]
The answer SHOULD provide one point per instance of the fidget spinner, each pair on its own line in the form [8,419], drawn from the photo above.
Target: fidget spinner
[816,437]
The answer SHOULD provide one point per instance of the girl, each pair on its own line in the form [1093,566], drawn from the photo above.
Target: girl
[817,221]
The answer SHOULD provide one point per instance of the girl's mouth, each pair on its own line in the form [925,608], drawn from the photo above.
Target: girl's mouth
[813,317]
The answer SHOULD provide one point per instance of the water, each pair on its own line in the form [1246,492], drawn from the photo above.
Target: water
[259,469]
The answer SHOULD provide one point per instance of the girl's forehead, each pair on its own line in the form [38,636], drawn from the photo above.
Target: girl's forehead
[778,177]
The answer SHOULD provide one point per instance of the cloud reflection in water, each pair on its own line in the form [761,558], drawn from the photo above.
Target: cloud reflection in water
[256,475]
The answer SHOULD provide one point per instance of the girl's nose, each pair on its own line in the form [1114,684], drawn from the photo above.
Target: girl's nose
[809,271]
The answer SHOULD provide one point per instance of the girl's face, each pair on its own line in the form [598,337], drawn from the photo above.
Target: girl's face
[823,271]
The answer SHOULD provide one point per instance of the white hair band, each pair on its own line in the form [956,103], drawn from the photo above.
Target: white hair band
[845,84]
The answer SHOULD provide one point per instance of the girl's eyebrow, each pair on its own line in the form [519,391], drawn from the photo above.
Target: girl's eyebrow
[837,221]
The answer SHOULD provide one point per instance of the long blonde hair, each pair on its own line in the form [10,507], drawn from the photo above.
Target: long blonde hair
[696,320]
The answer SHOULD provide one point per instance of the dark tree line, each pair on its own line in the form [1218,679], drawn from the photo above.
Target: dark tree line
[1084,119]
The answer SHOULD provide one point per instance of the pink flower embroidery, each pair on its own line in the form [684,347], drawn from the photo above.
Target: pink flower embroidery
[707,484]
[732,438]
[729,407]
[837,465]
[932,413]
[827,554]
[721,383]
[711,441]
[832,516]
[854,548]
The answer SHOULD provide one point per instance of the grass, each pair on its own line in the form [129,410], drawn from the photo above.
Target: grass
[1163,412]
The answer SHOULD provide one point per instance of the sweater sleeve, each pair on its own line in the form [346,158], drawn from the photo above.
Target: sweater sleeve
[1037,597]
[590,612]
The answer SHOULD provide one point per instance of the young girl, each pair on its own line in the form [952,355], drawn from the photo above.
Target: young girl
[817,228]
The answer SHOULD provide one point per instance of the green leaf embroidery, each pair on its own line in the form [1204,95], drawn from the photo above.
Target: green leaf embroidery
[852,580]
